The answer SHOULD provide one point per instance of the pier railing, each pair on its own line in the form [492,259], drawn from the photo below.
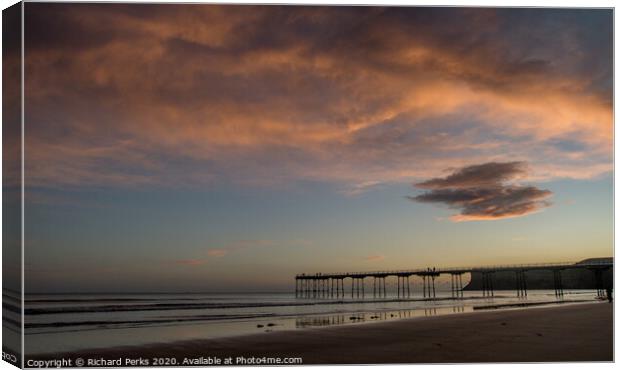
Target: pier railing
[447,270]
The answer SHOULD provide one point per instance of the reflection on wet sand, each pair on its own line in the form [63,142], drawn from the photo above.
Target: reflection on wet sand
[342,319]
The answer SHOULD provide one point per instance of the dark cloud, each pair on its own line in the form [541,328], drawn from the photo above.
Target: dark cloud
[53,27]
[487,174]
[480,192]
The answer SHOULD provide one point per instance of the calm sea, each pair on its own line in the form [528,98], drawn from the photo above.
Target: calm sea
[69,322]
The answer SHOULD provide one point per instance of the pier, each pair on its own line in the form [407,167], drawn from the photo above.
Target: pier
[332,285]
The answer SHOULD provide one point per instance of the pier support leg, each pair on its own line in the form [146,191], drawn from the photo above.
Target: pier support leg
[352,287]
[487,284]
[384,291]
[521,284]
[362,281]
[453,285]
[314,282]
[374,287]
[337,288]
[408,291]
[557,280]
[598,282]
[457,285]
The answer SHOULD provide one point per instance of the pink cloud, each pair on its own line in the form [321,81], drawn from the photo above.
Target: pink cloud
[301,111]
[217,252]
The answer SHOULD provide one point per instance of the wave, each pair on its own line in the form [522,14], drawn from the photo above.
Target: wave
[91,300]
[153,307]
[135,323]
[200,306]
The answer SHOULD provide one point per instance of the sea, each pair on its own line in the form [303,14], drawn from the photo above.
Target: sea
[56,323]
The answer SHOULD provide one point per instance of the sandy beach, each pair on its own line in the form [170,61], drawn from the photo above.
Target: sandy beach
[571,332]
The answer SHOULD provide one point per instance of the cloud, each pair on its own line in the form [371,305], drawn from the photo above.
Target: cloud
[237,246]
[374,258]
[201,95]
[488,174]
[217,252]
[357,189]
[482,192]
[240,245]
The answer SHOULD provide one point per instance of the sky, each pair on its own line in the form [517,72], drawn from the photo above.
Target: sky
[227,148]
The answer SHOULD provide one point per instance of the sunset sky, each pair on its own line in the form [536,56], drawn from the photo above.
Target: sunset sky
[201,147]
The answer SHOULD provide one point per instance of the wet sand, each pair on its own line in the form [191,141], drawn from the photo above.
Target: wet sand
[570,332]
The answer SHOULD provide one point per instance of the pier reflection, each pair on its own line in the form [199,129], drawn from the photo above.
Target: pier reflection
[343,319]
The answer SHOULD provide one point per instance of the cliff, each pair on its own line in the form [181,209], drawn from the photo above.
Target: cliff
[577,278]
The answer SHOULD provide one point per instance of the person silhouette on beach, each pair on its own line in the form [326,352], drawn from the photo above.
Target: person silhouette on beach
[608,290]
